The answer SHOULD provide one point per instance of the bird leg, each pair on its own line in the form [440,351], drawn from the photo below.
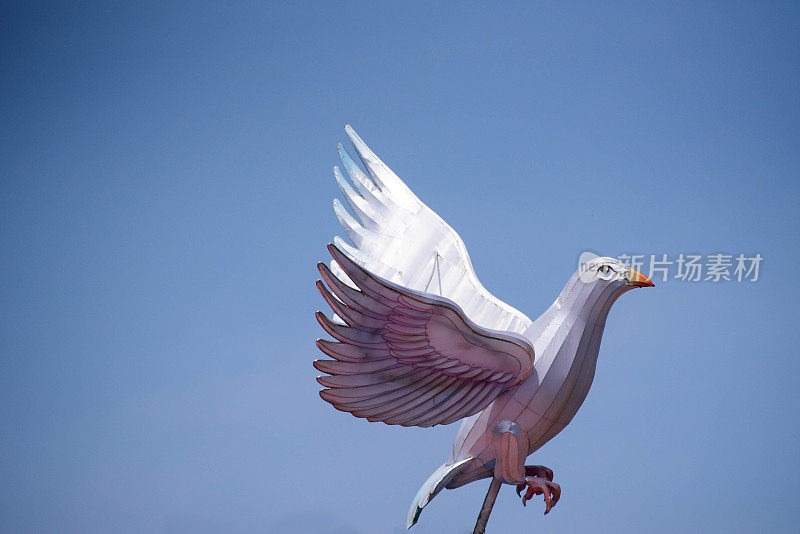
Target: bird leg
[539,480]
[511,447]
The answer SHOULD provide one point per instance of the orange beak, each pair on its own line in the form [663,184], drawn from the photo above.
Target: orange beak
[635,278]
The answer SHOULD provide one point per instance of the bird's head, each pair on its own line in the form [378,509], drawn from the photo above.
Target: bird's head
[596,285]
[602,270]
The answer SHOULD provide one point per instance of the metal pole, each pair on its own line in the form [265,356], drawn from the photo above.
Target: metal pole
[486,509]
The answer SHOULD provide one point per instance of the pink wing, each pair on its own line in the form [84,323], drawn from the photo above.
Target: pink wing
[410,358]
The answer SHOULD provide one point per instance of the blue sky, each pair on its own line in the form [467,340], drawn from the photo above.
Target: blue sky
[165,196]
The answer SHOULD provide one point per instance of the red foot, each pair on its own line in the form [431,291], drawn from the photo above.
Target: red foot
[539,481]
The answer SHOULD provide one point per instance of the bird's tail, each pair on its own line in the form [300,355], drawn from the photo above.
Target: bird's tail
[435,483]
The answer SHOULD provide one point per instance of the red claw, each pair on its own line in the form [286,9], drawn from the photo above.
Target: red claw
[539,486]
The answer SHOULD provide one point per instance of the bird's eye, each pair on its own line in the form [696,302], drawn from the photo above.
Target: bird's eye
[605,270]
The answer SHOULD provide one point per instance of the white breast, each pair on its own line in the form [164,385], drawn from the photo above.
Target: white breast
[567,344]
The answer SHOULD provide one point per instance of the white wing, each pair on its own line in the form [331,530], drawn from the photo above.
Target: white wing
[402,240]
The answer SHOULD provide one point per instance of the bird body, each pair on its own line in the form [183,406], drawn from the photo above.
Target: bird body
[567,343]
[421,342]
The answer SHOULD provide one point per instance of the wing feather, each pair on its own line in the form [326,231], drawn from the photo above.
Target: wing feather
[402,240]
[409,358]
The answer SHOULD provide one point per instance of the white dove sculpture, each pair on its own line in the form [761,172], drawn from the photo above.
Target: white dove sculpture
[421,342]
